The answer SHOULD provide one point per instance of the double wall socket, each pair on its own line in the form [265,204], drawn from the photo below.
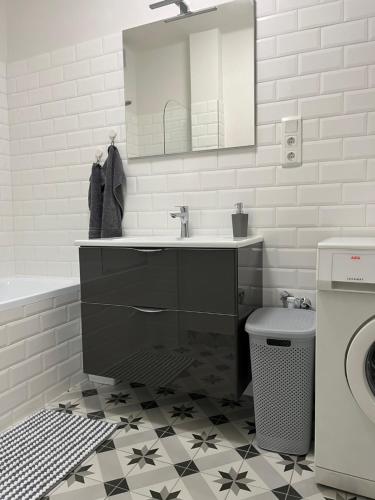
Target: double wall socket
[291,140]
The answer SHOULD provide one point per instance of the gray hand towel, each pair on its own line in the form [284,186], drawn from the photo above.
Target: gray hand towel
[96,191]
[113,200]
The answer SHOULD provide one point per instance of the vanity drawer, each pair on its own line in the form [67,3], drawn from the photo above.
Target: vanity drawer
[208,280]
[126,276]
[187,352]
[127,343]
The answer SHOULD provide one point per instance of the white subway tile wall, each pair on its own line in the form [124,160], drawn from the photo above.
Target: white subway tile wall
[315,57]
[40,354]
[6,210]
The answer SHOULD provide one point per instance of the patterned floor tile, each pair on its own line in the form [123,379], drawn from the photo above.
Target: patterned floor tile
[235,433]
[209,407]
[309,489]
[263,451]
[162,393]
[229,484]
[155,416]
[72,396]
[112,401]
[160,489]
[281,492]
[131,423]
[199,487]
[172,446]
[88,490]
[267,495]
[151,477]
[137,473]
[186,411]
[303,467]
[253,493]
[205,405]
[238,413]
[187,415]
[303,483]
[175,449]
[266,472]
[118,413]
[169,397]
[209,449]
[65,405]
[186,468]
[210,462]
[239,484]
[204,441]
[245,406]
[124,495]
[108,465]
[93,410]
[116,487]
[140,391]
[192,426]
[126,441]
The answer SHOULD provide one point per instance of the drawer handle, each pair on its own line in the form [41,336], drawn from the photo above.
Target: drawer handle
[148,250]
[147,310]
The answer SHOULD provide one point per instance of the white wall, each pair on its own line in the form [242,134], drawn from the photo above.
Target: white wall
[6,209]
[42,25]
[3,30]
[45,25]
[318,60]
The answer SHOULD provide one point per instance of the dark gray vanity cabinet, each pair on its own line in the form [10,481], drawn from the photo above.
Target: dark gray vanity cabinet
[170,317]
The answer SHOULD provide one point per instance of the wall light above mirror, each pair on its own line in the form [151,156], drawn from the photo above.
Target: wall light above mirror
[189,81]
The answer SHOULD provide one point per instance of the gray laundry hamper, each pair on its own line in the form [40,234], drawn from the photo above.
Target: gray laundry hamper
[282,347]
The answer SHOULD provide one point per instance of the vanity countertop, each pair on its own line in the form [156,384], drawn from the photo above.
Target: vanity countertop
[170,241]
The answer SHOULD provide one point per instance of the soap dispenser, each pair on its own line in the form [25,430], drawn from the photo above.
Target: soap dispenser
[239,222]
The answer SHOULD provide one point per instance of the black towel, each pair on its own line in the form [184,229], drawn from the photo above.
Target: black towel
[96,191]
[113,199]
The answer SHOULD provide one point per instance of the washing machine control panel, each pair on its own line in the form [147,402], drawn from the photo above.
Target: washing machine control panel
[353,267]
[337,267]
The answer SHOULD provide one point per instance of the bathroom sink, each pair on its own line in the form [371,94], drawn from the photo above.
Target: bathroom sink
[171,241]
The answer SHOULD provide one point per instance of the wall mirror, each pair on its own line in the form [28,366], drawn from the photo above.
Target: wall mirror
[189,81]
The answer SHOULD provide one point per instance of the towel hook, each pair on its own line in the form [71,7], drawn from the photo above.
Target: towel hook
[99,155]
[112,136]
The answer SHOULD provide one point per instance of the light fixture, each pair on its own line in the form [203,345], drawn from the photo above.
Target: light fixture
[184,9]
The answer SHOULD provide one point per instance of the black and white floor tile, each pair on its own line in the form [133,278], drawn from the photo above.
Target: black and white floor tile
[170,446]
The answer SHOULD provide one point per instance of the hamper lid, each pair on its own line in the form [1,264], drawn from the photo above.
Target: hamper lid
[281,323]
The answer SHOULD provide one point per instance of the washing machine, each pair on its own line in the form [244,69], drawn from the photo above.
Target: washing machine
[345,365]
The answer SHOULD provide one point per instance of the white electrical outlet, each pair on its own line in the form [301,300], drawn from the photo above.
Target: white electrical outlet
[291,140]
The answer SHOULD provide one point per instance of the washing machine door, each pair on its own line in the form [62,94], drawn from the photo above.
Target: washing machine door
[360,368]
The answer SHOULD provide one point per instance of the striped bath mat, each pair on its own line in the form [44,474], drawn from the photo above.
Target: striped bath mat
[39,452]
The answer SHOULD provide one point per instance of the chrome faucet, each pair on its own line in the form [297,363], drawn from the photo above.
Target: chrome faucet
[183,214]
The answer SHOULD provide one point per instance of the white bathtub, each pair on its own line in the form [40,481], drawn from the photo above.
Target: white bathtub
[18,291]
[40,343]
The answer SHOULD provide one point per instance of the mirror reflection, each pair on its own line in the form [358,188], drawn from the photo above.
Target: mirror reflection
[189,82]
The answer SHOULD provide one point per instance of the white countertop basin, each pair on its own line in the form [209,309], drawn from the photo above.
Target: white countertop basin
[170,241]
